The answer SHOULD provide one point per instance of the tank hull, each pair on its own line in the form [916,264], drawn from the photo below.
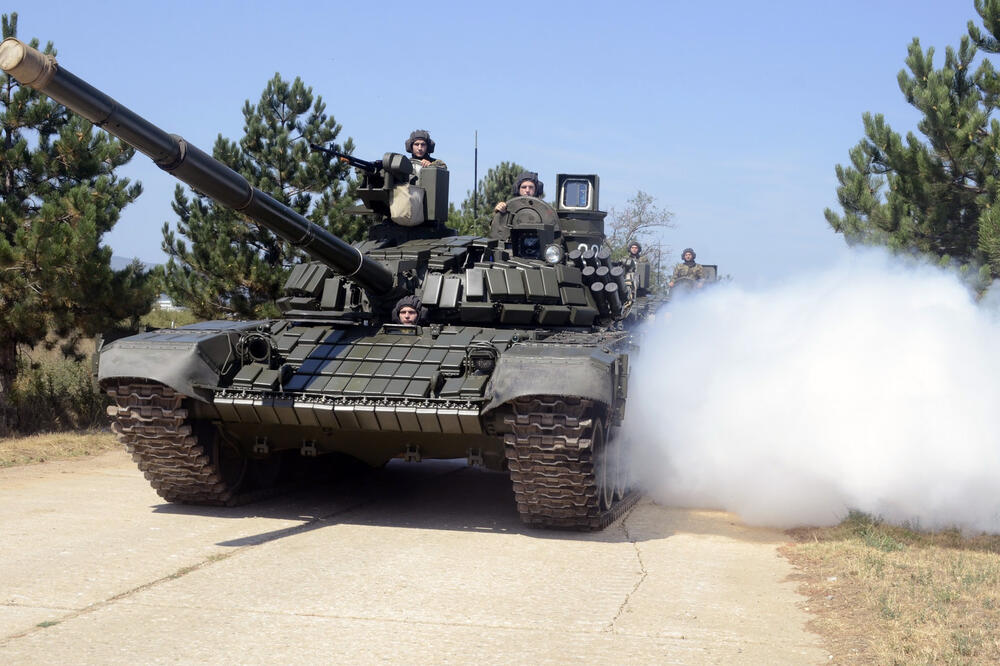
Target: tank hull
[194,404]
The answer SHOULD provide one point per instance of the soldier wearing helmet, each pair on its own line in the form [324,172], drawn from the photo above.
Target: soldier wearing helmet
[688,270]
[634,255]
[638,267]
[634,250]
[526,185]
[409,310]
[420,145]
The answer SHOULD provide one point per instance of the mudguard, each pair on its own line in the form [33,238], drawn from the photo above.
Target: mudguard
[189,359]
[545,369]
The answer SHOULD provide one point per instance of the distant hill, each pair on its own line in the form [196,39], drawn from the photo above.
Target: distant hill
[118,263]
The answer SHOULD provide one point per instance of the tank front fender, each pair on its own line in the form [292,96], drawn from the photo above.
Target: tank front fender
[189,359]
[539,369]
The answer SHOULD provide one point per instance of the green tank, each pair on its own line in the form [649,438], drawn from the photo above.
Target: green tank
[520,361]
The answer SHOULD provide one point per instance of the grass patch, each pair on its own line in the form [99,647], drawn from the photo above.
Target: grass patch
[54,446]
[169,318]
[55,393]
[896,595]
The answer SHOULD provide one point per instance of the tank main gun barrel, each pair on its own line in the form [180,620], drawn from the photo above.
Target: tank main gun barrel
[189,164]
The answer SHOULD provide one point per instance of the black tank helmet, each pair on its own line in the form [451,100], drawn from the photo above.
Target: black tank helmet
[533,177]
[412,302]
[420,134]
[691,250]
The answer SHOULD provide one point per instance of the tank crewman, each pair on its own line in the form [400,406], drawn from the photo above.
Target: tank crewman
[634,253]
[638,268]
[527,244]
[420,145]
[688,269]
[526,185]
[409,310]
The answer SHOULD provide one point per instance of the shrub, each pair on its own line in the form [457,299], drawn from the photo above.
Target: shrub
[56,393]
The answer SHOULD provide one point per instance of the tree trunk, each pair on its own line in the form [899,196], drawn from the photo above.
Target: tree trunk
[8,374]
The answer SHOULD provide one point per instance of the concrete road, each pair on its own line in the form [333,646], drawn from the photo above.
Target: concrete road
[422,563]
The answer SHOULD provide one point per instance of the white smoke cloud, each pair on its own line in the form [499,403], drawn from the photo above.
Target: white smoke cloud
[869,386]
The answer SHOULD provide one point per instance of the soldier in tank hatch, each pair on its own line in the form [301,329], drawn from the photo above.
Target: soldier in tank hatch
[634,255]
[526,185]
[420,145]
[688,269]
[409,310]
[638,267]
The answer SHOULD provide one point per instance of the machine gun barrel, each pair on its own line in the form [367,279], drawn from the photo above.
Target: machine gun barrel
[356,162]
[189,164]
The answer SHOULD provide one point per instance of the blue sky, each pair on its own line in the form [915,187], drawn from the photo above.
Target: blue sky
[731,114]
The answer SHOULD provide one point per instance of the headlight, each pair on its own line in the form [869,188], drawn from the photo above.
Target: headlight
[553,254]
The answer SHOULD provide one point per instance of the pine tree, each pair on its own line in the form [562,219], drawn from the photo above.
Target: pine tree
[476,213]
[935,195]
[58,196]
[231,266]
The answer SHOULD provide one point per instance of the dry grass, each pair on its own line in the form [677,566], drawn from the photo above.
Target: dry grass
[891,595]
[54,446]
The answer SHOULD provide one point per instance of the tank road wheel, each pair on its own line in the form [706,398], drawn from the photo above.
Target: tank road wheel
[229,461]
[184,459]
[559,467]
[619,457]
[604,465]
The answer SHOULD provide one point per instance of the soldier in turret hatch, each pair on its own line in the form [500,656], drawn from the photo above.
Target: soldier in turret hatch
[526,185]
[634,253]
[638,268]
[409,310]
[688,270]
[420,145]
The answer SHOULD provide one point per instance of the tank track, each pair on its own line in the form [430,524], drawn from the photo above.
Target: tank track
[150,421]
[550,455]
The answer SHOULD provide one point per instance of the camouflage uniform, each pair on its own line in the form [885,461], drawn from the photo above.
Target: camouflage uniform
[688,270]
[692,272]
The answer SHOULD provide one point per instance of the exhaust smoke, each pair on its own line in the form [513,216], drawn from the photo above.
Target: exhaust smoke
[871,386]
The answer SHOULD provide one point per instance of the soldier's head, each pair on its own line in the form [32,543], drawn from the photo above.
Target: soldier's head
[528,185]
[634,249]
[408,310]
[688,254]
[420,145]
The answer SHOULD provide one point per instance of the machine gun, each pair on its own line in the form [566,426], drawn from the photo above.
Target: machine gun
[356,162]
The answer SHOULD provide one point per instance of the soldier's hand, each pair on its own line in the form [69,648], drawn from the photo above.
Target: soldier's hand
[425,162]
[501,207]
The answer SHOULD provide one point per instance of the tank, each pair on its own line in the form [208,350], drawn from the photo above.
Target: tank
[519,363]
